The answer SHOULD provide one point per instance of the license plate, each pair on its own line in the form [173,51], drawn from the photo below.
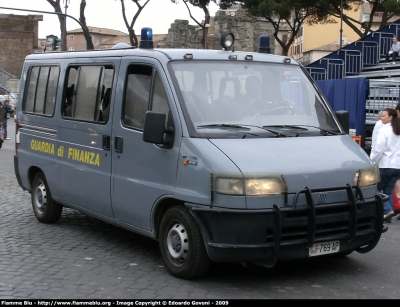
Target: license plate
[324,248]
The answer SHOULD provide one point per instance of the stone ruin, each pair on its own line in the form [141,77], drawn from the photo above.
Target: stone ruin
[247,31]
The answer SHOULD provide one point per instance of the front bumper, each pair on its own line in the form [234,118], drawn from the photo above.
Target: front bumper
[286,233]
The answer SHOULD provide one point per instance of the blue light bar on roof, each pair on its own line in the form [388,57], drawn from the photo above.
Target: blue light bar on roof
[264,46]
[146,38]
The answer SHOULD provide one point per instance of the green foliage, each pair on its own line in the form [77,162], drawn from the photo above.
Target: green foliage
[392,6]
[222,4]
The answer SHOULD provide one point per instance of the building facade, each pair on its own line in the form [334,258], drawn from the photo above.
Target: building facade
[76,38]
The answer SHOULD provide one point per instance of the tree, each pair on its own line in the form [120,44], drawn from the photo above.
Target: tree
[57,8]
[289,14]
[82,19]
[132,35]
[387,9]
[203,4]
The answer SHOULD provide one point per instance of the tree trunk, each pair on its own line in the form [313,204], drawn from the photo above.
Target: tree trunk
[82,19]
[205,29]
[285,46]
[57,8]
[385,19]
[135,39]
[195,20]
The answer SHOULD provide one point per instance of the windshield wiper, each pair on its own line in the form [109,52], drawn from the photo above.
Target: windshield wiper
[235,128]
[326,131]
[286,127]
[223,126]
[278,134]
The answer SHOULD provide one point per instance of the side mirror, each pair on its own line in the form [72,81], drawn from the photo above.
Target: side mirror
[344,120]
[154,129]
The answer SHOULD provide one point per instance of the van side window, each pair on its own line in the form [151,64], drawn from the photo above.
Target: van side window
[88,93]
[42,90]
[160,100]
[137,96]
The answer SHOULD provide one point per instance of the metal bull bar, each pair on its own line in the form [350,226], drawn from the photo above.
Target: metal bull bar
[354,201]
[380,198]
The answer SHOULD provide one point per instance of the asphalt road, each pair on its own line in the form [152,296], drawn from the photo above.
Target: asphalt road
[83,258]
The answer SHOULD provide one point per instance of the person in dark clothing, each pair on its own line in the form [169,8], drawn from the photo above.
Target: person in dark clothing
[1,123]
[7,111]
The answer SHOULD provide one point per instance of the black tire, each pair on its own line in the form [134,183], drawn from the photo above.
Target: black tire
[181,244]
[45,208]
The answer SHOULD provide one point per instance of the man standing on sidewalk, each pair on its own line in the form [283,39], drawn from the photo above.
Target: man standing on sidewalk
[7,111]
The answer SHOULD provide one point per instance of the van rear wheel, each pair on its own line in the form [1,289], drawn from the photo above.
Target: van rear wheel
[45,208]
[181,244]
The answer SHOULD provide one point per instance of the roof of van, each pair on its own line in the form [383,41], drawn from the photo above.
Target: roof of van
[164,54]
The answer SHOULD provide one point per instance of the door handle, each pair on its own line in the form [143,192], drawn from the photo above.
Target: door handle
[118,144]
[106,142]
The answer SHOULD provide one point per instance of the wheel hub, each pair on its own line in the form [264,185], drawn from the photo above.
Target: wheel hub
[178,243]
[41,198]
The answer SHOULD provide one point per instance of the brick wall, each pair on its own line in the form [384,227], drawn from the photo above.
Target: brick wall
[18,38]
[14,47]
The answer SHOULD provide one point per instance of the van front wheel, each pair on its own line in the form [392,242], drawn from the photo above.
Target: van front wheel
[181,244]
[45,208]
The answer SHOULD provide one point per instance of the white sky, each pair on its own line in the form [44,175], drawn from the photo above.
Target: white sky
[158,14]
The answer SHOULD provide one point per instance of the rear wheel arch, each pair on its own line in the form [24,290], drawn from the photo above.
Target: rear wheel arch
[33,170]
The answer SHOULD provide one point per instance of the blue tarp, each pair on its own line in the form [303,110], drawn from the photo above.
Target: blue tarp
[349,95]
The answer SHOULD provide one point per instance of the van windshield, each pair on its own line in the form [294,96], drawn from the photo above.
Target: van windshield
[255,99]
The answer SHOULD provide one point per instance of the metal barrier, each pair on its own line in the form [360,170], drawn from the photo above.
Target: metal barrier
[396,27]
[336,69]
[5,76]
[382,94]
[384,41]
[369,52]
[352,61]
[9,84]
[329,69]
[317,73]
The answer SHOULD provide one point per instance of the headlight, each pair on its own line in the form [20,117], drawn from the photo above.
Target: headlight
[265,186]
[229,186]
[251,187]
[367,176]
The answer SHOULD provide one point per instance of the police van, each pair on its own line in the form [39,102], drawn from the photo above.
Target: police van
[219,155]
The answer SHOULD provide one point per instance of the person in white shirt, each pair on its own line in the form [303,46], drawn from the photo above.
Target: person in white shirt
[386,153]
[375,131]
[394,51]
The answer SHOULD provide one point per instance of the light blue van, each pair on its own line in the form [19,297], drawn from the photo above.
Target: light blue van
[219,155]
